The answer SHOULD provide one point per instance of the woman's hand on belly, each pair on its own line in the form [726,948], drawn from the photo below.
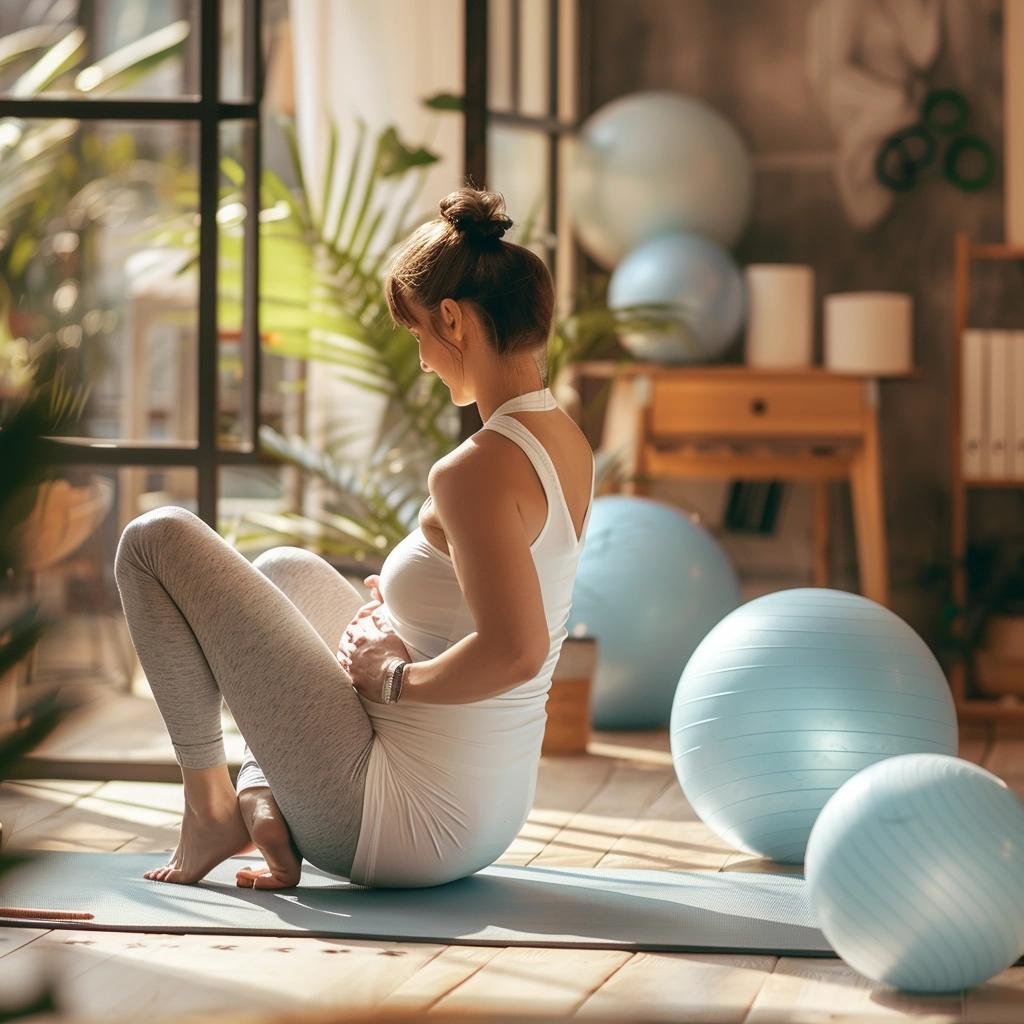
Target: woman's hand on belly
[366,646]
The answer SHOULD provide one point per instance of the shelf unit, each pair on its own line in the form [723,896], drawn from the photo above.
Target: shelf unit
[966,253]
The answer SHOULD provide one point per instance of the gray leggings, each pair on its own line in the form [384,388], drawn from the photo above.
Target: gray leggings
[209,624]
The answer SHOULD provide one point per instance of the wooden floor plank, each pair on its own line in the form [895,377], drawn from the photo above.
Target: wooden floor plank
[23,807]
[999,1001]
[809,989]
[592,831]
[77,787]
[667,835]
[702,989]
[14,938]
[95,826]
[554,981]
[651,746]
[23,974]
[434,980]
[118,975]
[157,795]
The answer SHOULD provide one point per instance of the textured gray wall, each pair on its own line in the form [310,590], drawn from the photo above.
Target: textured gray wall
[747,59]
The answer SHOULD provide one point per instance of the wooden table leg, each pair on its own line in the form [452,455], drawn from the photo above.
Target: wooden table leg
[622,432]
[821,533]
[869,515]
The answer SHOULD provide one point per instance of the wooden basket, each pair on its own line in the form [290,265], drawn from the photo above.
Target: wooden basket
[568,707]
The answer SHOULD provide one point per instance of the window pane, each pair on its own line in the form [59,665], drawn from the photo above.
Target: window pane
[235,72]
[70,540]
[120,48]
[235,348]
[534,63]
[518,165]
[284,290]
[252,503]
[95,221]
[499,55]
[517,54]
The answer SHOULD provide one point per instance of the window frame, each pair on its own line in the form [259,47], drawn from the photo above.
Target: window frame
[561,120]
[206,456]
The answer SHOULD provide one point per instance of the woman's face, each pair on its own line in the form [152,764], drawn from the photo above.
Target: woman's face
[435,355]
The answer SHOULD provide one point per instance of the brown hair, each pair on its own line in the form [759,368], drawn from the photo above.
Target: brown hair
[461,255]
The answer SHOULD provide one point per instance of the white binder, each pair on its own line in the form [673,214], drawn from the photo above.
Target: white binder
[973,378]
[998,406]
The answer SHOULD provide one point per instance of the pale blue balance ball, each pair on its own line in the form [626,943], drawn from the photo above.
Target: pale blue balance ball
[789,697]
[698,280]
[915,871]
[655,161]
[649,585]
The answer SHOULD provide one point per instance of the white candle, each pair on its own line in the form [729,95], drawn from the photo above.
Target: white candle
[869,333]
[780,315]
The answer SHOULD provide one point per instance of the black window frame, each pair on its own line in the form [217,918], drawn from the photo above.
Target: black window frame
[210,112]
[479,116]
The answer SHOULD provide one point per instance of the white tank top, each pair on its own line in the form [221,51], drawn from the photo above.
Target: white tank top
[449,786]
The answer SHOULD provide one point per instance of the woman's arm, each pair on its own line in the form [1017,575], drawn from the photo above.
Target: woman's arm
[475,499]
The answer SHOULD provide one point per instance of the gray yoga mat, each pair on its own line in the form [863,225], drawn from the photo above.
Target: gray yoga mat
[588,908]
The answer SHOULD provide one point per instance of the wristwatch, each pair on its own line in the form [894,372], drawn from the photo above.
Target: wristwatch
[392,688]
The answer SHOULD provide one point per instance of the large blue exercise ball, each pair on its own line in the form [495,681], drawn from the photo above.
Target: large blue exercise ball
[654,161]
[698,282]
[787,698]
[915,872]
[650,583]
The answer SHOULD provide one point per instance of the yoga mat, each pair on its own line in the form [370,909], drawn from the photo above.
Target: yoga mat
[503,905]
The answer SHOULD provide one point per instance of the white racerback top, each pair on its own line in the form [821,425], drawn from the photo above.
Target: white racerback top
[449,786]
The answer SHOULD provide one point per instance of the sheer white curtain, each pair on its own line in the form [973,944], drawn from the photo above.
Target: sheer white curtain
[376,60]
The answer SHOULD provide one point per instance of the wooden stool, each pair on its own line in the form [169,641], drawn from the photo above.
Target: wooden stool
[713,422]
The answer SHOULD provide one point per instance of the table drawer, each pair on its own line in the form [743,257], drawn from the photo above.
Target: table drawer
[735,406]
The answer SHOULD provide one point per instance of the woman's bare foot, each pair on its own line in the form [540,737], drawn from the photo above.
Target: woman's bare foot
[205,841]
[273,839]
[212,828]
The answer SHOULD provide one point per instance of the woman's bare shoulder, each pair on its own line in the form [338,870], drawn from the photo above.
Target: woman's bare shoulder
[480,457]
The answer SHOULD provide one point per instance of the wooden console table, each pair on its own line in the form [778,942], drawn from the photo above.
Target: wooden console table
[713,422]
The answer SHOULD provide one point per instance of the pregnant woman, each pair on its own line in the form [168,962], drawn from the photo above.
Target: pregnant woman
[393,742]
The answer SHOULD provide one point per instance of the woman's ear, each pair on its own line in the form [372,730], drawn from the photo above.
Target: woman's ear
[451,318]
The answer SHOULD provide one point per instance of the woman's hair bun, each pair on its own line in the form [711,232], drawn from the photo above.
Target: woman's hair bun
[476,213]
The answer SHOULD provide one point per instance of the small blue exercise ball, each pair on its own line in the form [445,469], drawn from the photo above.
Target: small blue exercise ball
[653,161]
[698,280]
[790,696]
[915,872]
[650,583]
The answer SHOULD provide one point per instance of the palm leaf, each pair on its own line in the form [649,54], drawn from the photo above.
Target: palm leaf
[124,67]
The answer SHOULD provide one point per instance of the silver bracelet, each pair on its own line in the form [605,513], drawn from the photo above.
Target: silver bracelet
[392,688]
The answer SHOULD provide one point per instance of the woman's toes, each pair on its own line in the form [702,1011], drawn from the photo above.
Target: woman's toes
[265,878]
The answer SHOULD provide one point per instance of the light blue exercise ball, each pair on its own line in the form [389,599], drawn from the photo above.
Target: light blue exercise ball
[694,276]
[789,697]
[915,872]
[653,161]
[650,583]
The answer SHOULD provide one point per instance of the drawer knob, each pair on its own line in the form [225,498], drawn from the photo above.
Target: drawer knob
[758,406]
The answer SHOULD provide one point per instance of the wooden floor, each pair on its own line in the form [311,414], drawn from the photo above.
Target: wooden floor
[617,806]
